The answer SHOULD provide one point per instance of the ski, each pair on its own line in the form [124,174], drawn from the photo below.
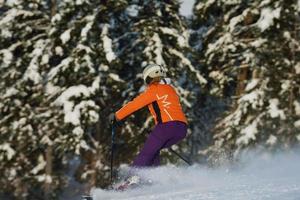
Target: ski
[86,197]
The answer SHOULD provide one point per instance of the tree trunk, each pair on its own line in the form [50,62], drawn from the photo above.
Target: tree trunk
[242,78]
[53,7]
[95,158]
[48,172]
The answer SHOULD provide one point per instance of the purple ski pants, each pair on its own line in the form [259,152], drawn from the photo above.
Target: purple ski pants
[164,135]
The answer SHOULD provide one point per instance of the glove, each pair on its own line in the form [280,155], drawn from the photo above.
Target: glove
[112,118]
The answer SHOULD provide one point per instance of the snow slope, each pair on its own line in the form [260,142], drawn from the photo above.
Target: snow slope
[256,177]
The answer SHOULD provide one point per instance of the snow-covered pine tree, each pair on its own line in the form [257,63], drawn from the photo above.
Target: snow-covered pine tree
[158,34]
[252,54]
[23,114]
[84,79]
[203,24]
[57,68]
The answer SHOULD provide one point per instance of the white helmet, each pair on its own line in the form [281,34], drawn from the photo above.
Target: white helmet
[153,71]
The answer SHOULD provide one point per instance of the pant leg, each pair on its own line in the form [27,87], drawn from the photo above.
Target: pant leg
[163,136]
[178,133]
[156,160]
[173,141]
[175,136]
[150,151]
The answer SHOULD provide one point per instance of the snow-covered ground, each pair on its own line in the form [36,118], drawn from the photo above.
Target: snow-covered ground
[256,177]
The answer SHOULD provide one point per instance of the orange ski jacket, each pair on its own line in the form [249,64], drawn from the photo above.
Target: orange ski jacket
[162,101]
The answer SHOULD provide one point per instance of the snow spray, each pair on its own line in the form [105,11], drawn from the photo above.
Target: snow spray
[260,176]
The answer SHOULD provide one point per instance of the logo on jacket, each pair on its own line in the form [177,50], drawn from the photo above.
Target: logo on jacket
[164,100]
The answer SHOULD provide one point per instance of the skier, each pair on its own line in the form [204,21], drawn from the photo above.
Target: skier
[163,103]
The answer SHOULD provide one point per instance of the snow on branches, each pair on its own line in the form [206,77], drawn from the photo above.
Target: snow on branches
[252,53]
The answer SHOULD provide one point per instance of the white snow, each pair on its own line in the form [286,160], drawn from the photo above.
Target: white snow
[9,151]
[115,77]
[183,95]
[158,49]
[225,39]
[258,43]
[271,140]
[88,62]
[12,174]
[66,36]
[254,98]
[182,38]
[7,57]
[78,131]
[231,2]
[87,49]
[202,5]
[274,111]
[79,2]
[188,63]
[264,3]
[95,85]
[59,51]
[93,115]
[19,123]
[11,14]
[73,111]
[287,35]
[87,27]
[6,33]
[248,134]
[84,145]
[52,89]
[267,18]
[235,20]
[133,10]
[218,75]
[63,65]
[107,44]
[285,86]
[297,68]
[44,178]
[32,71]
[155,47]
[46,140]
[45,59]
[237,116]
[297,124]
[13,2]
[41,165]
[6,22]
[56,18]
[252,84]
[257,176]
[103,68]
[10,92]
[297,107]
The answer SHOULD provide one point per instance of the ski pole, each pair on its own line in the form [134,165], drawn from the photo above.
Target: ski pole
[112,151]
[180,156]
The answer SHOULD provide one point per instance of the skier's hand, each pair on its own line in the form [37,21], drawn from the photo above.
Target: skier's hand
[112,118]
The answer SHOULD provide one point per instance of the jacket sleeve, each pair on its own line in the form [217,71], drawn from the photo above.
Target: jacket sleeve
[137,103]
